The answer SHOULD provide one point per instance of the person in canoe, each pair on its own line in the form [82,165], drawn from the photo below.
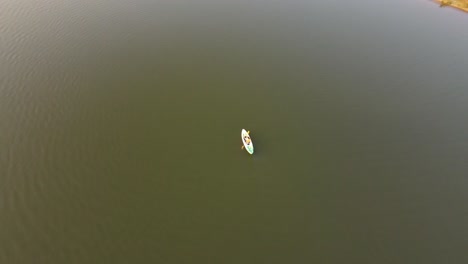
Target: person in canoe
[247,140]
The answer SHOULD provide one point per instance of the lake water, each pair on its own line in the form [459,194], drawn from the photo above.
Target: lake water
[120,131]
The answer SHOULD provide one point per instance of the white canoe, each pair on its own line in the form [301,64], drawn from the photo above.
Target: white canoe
[249,147]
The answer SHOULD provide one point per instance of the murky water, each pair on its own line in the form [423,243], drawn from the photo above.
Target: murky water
[120,132]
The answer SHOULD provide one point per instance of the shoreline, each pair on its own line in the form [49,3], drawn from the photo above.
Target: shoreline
[458,4]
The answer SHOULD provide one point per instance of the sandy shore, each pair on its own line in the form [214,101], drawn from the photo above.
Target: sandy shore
[458,4]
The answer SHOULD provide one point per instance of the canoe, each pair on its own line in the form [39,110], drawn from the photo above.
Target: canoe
[248,146]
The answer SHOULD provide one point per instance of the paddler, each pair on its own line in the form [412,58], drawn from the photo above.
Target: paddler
[247,140]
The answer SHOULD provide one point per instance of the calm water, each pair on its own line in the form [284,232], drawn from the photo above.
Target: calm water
[120,132]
